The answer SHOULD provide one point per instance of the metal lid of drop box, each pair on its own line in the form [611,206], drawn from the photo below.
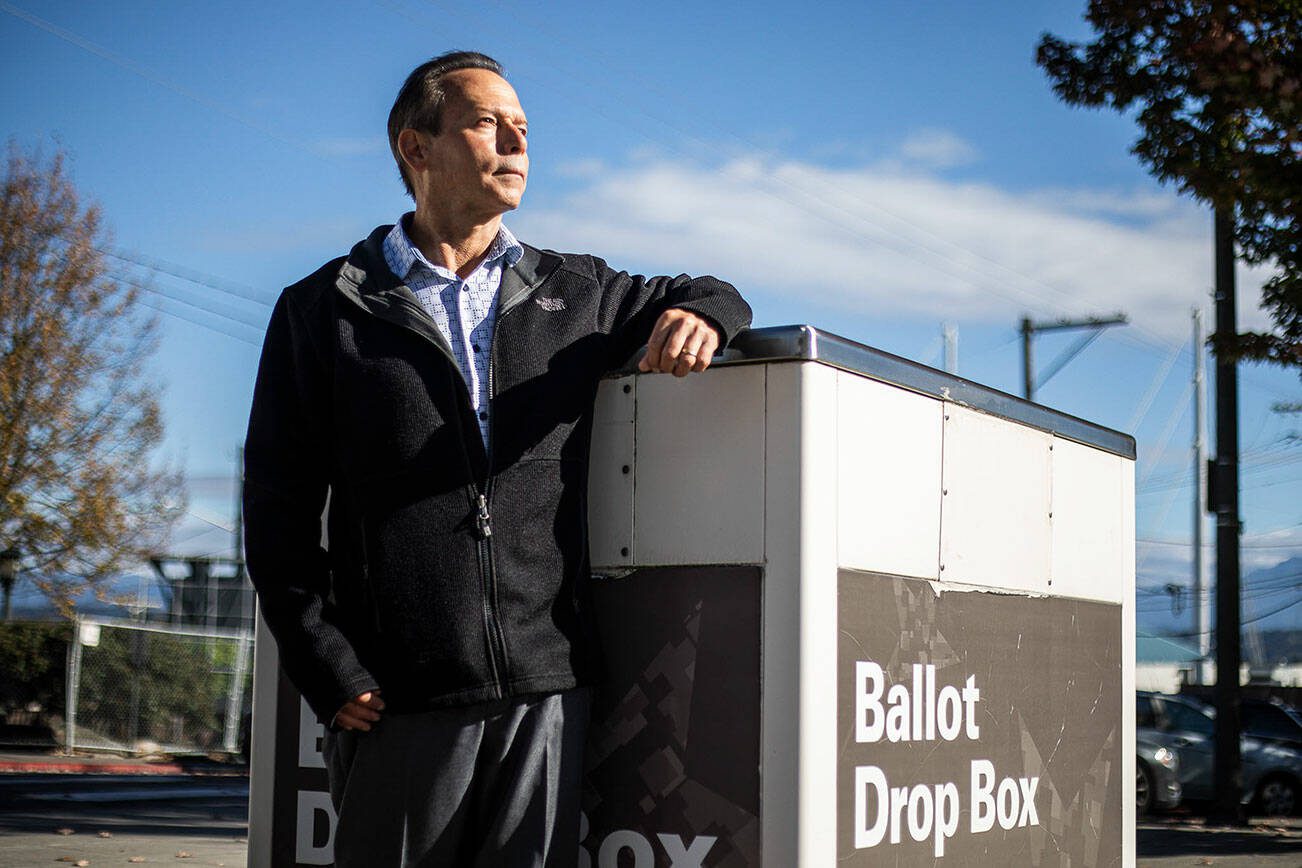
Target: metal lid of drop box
[808,344]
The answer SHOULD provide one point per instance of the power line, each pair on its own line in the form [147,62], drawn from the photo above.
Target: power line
[1150,603]
[1262,457]
[207,307]
[147,74]
[1260,582]
[169,269]
[1208,545]
[162,266]
[200,323]
[1182,479]
[1243,622]
[1146,402]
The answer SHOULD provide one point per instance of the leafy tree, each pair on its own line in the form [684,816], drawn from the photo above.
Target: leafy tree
[79,418]
[1218,92]
[33,659]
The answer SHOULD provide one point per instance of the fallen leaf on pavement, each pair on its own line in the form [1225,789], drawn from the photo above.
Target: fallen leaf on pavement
[104,834]
[184,854]
[65,831]
[136,859]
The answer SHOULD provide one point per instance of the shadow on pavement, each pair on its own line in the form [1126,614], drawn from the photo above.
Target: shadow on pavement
[1195,841]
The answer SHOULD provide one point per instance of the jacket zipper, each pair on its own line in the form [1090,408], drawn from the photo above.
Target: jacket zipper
[496,640]
[497,643]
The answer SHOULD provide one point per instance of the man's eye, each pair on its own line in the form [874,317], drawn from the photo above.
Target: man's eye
[523,131]
[488,120]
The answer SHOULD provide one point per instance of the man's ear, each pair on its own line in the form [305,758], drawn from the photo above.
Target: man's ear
[414,150]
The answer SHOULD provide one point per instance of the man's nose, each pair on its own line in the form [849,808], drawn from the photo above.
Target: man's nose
[511,140]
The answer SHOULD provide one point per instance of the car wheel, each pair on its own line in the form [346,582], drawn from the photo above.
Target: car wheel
[1143,789]
[1277,797]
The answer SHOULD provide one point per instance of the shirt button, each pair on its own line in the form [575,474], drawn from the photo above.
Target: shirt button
[483,415]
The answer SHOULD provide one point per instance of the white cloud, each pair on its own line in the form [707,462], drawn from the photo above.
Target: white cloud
[881,240]
[1269,549]
[937,148]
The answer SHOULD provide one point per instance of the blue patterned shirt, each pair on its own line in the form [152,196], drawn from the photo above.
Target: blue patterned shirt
[464,310]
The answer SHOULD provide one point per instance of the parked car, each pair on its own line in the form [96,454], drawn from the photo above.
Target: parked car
[1272,720]
[1157,777]
[1272,771]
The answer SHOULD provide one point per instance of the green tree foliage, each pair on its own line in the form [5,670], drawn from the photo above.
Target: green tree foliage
[1217,90]
[33,658]
[79,418]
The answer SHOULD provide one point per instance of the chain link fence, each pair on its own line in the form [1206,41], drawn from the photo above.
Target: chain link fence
[141,688]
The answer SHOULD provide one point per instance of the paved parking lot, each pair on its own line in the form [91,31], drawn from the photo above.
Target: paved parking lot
[1181,840]
[1160,845]
[201,819]
[111,819]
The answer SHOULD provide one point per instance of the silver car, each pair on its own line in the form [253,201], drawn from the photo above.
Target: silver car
[1272,771]
[1157,777]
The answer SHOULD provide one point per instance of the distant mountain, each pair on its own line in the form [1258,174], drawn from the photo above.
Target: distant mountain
[1272,597]
[29,604]
[1271,612]
[1278,646]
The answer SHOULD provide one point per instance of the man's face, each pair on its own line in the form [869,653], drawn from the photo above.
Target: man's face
[477,165]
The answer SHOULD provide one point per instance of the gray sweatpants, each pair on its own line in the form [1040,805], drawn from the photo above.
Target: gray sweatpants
[487,785]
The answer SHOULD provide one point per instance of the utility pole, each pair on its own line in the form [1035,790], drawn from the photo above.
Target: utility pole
[1202,596]
[244,642]
[9,559]
[237,547]
[950,332]
[1224,500]
[1029,328]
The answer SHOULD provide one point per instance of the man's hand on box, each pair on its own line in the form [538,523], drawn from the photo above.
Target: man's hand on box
[681,342]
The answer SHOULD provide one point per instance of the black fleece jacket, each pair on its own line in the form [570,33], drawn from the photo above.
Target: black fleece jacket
[449,574]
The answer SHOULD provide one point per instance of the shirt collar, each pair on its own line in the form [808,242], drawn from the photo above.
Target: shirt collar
[402,256]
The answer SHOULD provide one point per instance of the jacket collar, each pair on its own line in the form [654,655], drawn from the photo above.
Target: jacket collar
[366,280]
[521,279]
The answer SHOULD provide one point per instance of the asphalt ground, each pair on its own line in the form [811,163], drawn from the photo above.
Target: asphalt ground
[1166,842]
[1160,845]
[128,812]
[146,818]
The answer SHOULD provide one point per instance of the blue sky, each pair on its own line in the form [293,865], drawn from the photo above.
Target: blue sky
[871,168]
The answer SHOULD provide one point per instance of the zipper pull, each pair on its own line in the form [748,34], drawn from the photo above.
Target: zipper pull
[483,521]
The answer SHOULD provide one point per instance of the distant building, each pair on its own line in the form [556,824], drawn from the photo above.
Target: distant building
[1163,664]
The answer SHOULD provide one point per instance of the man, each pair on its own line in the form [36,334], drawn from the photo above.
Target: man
[435,386]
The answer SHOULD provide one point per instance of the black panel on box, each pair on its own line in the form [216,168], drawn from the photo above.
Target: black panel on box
[673,751]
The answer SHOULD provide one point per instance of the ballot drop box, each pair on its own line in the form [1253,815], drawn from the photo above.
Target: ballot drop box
[853,611]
